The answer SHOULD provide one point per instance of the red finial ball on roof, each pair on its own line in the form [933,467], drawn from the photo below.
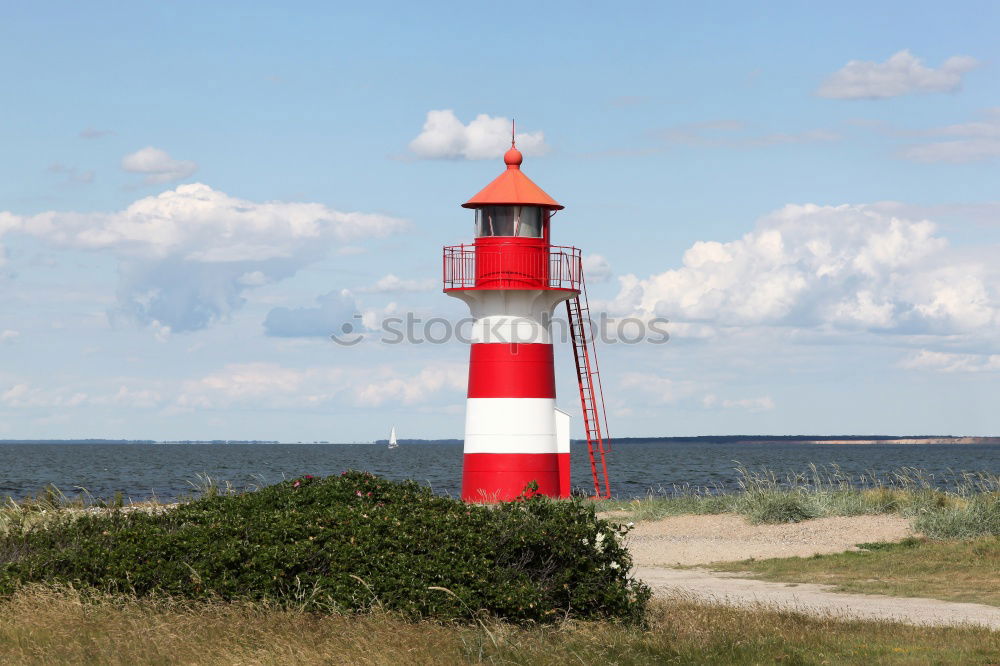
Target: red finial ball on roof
[513,158]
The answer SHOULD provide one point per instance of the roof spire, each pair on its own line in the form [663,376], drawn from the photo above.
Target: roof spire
[512,158]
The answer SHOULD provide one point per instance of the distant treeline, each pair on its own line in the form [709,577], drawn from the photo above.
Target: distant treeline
[404,442]
[135,441]
[77,441]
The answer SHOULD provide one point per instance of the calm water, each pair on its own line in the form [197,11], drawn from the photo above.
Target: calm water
[166,471]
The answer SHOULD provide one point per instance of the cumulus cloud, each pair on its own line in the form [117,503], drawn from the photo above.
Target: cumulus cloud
[275,386]
[961,143]
[392,284]
[926,359]
[848,267]
[9,335]
[254,385]
[336,313]
[187,256]
[903,73]
[22,395]
[596,268]
[157,166]
[417,388]
[660,390]
[8,222]
[445,137]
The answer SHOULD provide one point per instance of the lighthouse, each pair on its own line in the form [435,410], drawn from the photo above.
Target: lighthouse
[512,278]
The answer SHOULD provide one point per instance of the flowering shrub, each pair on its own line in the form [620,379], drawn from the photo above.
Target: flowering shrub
[348,543]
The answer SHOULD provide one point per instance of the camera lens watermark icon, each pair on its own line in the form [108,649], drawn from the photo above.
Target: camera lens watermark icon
[348,336]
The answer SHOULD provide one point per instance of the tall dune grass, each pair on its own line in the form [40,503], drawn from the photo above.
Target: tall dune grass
[962,504]
[956,505]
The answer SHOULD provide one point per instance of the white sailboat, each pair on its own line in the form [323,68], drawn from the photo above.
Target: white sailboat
[393,444]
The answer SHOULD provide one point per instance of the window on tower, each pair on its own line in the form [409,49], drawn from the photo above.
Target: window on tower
[521,221]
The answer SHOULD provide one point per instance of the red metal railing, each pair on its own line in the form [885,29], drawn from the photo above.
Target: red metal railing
[512,266]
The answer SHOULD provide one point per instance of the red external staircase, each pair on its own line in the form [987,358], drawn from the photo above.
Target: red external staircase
[595,418]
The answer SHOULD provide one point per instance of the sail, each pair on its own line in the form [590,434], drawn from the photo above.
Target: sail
[392,438]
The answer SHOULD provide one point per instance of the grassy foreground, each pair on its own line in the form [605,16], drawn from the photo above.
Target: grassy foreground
[42,625]
[949,570]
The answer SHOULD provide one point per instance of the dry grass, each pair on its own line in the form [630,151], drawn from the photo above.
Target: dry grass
[949,570]
[47,626]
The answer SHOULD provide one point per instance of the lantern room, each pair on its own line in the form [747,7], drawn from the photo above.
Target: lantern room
[512,206]
[512,248]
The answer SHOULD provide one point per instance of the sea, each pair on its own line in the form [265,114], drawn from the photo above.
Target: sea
[167,472]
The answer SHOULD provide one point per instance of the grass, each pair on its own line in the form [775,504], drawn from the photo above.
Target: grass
[965,505]
[950,570]
[50,503]
[46,625]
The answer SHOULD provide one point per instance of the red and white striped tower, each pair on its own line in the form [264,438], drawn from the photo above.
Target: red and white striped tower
[512,278]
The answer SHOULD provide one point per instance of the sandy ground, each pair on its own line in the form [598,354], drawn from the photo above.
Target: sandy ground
[699,540]
[689,540]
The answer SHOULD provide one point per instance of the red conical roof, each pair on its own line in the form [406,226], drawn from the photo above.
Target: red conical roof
[512,188]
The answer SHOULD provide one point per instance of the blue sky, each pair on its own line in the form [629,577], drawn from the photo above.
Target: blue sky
[194,195]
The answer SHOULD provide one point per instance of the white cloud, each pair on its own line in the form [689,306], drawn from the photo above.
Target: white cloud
[976,142]
[660,390]
[596,268]
[272,386]
[188,255]
[415,389]
[9,335]
[391,284]
[157,166]
[8,222]
[123,397]
[847,268]
[926,359]
[903,73]
[445,137]
[23,395]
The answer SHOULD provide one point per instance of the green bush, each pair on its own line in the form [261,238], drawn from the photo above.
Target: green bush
[347,543]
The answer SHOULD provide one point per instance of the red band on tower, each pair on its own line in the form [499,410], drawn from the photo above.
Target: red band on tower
[502,370]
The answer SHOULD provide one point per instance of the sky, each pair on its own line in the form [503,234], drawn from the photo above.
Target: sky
[195,196]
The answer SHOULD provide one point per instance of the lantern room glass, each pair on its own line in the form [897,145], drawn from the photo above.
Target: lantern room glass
[520,221]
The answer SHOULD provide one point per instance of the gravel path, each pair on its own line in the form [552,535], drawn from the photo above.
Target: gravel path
[690,540]
[813,599]
[700,540]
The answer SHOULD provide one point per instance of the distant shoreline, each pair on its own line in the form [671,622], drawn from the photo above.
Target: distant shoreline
[868,440]
[812,439]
